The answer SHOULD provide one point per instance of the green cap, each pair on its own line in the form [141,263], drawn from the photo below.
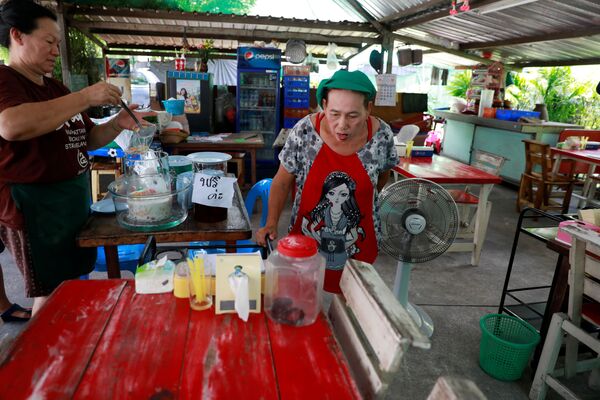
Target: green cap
[342,79]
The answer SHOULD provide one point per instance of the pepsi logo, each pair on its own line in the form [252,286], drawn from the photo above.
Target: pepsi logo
[249,55]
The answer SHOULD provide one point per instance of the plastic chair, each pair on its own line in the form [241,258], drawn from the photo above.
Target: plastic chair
[465,200]
[260,191]
[580,170]
[583,275]
[405,131]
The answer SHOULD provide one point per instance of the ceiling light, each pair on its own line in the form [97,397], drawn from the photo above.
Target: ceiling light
[502,5]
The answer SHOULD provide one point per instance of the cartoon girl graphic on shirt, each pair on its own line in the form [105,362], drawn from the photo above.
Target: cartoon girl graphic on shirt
[333,223]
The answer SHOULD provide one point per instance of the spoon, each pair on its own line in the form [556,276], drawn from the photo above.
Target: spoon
[131,114]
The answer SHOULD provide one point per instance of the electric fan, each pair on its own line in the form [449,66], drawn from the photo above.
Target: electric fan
[419,221]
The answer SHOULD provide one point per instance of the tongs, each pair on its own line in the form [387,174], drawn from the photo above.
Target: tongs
[131,114]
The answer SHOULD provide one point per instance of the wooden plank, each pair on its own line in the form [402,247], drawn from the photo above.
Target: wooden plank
[50,356]
[309,363]
[362,363]
[227,358]
[384,322]
[139,355]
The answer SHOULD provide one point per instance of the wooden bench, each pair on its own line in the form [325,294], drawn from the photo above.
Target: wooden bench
[373,329]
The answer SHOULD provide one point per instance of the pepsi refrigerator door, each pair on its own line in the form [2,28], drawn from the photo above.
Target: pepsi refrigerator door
[258,91]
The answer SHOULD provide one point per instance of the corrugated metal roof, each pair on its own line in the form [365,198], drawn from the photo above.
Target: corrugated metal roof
[518,34]
[502,31]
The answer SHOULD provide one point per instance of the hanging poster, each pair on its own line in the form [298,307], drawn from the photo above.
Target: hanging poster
[386,90]
[117,68]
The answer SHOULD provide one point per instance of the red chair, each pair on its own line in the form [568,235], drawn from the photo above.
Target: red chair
[580,169]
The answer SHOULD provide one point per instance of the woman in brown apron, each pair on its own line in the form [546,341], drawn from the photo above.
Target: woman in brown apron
[44,138]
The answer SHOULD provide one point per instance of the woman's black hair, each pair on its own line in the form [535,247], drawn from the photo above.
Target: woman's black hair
[22,15]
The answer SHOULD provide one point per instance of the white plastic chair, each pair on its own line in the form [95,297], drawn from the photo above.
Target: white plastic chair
[406,133]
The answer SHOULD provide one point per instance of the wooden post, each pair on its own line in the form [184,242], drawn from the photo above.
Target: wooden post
[388,46]
[65,54]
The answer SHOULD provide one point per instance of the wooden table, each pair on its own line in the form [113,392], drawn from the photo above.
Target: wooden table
[446,171]
[104,230]
[233,142]
[98,339]
[589,157]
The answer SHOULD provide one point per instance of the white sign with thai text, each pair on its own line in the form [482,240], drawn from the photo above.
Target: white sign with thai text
[213,190]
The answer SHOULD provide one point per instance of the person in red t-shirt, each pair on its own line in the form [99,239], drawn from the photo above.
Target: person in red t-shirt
[44,138]
[338,160]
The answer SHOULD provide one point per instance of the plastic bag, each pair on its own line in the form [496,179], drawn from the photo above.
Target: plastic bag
[332,61]
[312,63]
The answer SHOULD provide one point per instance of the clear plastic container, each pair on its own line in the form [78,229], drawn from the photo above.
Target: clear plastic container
[294,281]
[210,160]
[149,203]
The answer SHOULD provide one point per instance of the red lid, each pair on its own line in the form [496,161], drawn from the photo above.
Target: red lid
[297,246]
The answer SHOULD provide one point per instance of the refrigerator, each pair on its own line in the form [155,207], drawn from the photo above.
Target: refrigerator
[258,75]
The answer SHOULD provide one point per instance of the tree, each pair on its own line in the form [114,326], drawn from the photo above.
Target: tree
[212,6]
[459,84]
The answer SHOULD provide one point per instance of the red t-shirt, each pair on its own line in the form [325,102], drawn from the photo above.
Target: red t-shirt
[56,156]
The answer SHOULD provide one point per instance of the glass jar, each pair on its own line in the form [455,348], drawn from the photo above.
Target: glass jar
[210,163]
[294,281]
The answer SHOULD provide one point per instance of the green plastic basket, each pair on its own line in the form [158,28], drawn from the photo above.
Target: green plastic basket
[506,345]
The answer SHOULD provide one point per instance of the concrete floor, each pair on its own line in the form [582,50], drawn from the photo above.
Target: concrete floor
[454,293]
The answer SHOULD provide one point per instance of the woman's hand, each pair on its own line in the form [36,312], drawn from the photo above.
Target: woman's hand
[124,121]
[101,93]
[261,234]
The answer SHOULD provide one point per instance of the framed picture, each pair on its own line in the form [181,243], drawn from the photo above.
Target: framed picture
[196,89]
[189,90]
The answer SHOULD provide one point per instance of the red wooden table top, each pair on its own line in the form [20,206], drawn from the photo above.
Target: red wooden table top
[441,169]
[98,339]
[592,156]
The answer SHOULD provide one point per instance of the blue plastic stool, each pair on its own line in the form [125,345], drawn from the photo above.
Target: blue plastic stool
[128,257]
[260,191]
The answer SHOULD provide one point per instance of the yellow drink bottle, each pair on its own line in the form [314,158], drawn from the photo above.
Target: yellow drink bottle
[181,286]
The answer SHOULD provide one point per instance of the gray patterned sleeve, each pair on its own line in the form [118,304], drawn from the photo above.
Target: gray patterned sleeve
[390,158]
[291,155]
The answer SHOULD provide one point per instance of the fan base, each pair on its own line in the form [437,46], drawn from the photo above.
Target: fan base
[421,318]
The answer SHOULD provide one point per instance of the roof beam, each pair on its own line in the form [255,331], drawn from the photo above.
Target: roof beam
[411,40]
[413,10]
[533,39]
[556,63]
[366,15]
[83,11]
[115,28]
[441,10]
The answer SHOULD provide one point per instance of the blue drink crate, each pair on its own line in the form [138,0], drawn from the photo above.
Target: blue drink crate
[296,81]
[296,103]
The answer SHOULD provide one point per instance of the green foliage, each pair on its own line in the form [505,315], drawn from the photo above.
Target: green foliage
[4,54]
[212,6]
[459,84]
[566,99]
[83,57]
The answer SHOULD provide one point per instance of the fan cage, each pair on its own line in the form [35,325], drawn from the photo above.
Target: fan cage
[428,199]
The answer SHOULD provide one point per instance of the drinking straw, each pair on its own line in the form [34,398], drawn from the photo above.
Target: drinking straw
[199,279]
[409,146]
[194,278]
